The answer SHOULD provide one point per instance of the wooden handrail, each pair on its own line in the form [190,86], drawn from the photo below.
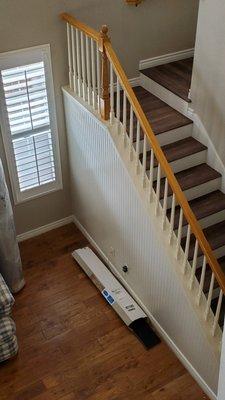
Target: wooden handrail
[81,26]
[180,197]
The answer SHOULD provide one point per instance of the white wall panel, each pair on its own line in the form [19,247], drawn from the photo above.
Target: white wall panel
[221,389]
[107,205]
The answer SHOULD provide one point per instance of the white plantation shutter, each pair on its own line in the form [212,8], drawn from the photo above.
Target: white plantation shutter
[30,126]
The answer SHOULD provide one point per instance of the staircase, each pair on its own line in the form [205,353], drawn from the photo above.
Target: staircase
[152,133]
[187,157]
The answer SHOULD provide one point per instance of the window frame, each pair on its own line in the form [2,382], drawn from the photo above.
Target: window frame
[18,58]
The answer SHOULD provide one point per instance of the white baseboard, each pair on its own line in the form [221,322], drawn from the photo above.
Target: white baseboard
[213,158]
[155,323]
[135,81]
[44,228]
[166,58]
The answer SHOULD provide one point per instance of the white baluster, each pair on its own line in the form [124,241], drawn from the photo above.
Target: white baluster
[172,217]
[118,103]
[179,234]
[209,300]
[98,79]
[88,70]
[158,188]
[74,63]
[165,203]
[124,116]
[186,252]
[144,160]
[83,67]
[202,281]
[69,56]
[93,73]
[112,113]
[138,146]
[194,265]
[131,131]
[78,62]
[217,315]
[151,174]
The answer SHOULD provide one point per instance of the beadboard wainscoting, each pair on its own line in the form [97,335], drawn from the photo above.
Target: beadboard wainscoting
[108,207]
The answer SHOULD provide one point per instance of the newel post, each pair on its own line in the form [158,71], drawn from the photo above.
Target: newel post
[104,97]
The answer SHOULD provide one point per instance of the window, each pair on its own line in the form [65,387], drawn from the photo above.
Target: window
[28,122]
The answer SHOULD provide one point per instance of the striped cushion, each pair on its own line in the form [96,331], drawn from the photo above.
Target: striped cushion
[8,348]
[7,329]
[6,298]
[8,340]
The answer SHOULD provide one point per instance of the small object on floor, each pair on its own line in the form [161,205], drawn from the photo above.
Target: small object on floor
[142,329]
[116,295]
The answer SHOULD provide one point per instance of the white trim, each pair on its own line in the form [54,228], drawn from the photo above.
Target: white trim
[213,158]
[18,51]
[135,81]
[166,58]
[45,228]
[155,323]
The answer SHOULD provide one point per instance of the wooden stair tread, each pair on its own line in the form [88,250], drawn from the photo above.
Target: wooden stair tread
[174,76]
[177,150]
[215,234]
[191,177]
[203,206]
[161,116]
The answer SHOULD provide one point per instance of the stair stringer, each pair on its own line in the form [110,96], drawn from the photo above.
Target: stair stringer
[111,206]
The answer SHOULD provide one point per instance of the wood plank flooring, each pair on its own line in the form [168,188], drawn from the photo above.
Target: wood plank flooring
[72,344]
[174,76]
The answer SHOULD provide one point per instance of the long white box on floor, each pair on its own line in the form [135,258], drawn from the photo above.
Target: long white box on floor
[108,285]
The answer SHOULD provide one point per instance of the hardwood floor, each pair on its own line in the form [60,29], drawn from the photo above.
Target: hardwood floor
[72,344]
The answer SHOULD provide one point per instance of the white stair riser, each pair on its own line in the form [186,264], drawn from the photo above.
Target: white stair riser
[199,190]
[220,252]
[208,221]
[170,136]
[175,134]
[185,163]
[164,94]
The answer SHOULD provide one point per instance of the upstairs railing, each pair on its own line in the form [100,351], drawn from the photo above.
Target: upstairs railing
[96,76]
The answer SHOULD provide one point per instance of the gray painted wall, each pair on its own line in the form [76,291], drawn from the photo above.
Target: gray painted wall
[156,27]
[208,84]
